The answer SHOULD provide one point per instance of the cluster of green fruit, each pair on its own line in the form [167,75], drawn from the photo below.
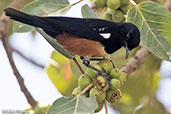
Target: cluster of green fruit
[104,87]
[116,9]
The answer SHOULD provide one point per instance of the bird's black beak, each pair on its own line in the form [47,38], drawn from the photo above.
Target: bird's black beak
[127,50]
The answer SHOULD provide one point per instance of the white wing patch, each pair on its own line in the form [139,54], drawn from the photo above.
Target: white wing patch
[105,35]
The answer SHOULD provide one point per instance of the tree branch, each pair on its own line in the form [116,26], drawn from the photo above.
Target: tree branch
[168,5]
[26,58]
[136,61]
[5,23]
[77,2]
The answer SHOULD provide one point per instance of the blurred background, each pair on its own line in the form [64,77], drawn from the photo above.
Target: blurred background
[138,89]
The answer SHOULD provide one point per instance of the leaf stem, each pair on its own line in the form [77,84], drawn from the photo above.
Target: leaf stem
[106,110]
[86,89]
[101,14]
[77,2]
[78,65]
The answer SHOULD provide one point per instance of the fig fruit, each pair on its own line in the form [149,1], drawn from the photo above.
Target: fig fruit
[106,65]
[100,95]
[84,81]
[92,73]
[115,83]
[76,91]
[113,4]
[100,3]
[113,95]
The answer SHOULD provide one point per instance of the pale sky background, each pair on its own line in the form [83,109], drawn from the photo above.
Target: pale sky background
[36,80]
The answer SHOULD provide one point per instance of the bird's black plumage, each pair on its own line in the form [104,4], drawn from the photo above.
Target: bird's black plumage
[119,34]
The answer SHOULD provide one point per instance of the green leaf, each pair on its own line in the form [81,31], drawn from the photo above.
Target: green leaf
[55,44]
[76,105]
[87,12]
[42,8]
[154,23]
[60,74]
[61,11]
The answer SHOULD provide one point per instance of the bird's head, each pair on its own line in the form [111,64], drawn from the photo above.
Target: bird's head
[131,37]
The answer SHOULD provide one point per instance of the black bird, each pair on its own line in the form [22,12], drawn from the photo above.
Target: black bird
[86,37]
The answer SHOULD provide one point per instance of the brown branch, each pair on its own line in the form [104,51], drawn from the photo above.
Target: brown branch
[102,13]
[28,59]
[168,5]
[86,89]
[106,110]
[5,23]
[78,65]
[136,61]
[77,2]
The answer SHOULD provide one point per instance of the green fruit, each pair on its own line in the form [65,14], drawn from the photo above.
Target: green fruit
[99,108]
[123,77]
[113,95]
[115,73]
[100,3]
[84,81]
[99,10]
[109,11]
[92,73]
[113,4]
[100,95]
[126,7]
[101,81]
[106,65]
[124,2]
[115,83]
[118,16]
[76,91]
[107,16]
[106,87]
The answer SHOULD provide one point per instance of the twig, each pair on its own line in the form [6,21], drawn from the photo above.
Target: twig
[101,14]
[136,61]
[18,76]
[168,5]
[78,65]
[77,2]
[4,27]
[28,59]
[86,89]
[106,110]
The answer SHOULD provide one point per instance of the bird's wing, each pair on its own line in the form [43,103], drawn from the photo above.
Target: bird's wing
[93,29]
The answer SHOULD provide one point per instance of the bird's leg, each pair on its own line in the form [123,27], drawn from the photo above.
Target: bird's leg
[96,59]
[86,62]
[99,59]
[112,63]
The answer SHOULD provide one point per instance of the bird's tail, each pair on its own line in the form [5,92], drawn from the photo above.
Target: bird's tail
[25,18]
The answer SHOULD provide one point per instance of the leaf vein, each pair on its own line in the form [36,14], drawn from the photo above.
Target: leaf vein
[150,30]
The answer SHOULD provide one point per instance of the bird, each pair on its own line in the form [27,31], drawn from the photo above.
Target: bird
[86,37]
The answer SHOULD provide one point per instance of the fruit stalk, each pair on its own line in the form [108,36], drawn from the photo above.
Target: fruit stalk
[86,89]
